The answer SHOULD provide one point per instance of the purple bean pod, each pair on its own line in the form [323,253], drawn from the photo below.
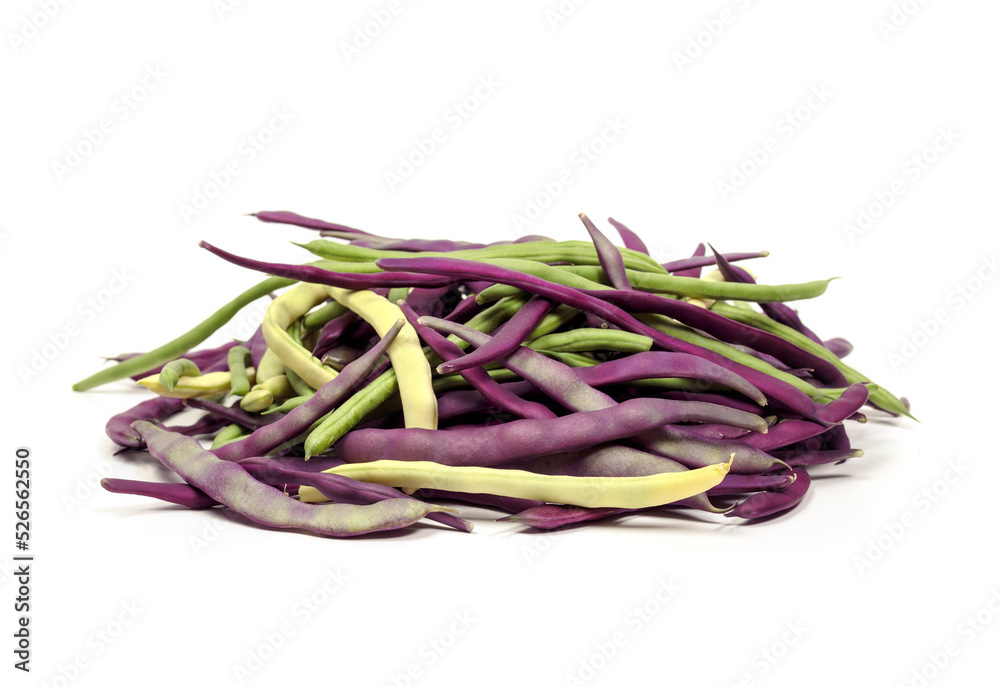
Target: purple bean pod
[629,237]
[520,439]
[173,492]
[848,403]
[231,485]
[659,364]
[505,340]
[318,275]
[465,309]
[285,217]
[119,427]
[765,503]
[693,451]
[694,272]
[332,333]
[609,257]
[705,261]
[785,432]
[553,516]
[839,347]
[836,438]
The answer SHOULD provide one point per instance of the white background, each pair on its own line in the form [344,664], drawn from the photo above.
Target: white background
[504,605]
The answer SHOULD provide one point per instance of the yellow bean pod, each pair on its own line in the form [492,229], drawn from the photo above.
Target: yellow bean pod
[194,387]
[284,310]
[588,492]
[405,352]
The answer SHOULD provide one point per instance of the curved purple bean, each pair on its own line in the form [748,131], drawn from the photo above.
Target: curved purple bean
[332,333]
[766,503]
[230,484]
[655,364]
[285,428]
[465,309]
[318,275]
[174,492]
[505,340]
[285,217]
[608,256]
[705,261]
[848,403]
[693,271]
[520,439]
[839,347]
[629,237]
[434,301]
[119,427]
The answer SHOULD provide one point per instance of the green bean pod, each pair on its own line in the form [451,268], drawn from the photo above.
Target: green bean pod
[239,358]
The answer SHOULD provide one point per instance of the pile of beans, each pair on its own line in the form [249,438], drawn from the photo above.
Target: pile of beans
[559,382]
